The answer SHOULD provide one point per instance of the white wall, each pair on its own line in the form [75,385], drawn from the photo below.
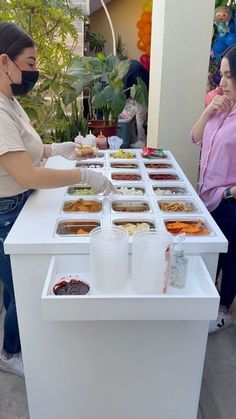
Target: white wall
[181,37]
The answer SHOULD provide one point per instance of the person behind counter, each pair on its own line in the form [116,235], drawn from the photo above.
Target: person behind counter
[216,131]
[21,150]
[136,70]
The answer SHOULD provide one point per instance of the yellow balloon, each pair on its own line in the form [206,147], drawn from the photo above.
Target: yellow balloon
[145,7]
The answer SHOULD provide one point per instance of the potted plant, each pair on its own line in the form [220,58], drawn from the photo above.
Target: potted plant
[102,77]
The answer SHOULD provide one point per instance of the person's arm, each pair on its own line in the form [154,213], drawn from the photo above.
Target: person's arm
[218,103]
[19,166]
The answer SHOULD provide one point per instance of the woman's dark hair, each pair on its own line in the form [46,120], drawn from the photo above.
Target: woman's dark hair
[230,54]
[13,39]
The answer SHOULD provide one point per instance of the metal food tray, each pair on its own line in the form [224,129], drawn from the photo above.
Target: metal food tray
[68,227]
[176,204]
[137,206]
[86,200]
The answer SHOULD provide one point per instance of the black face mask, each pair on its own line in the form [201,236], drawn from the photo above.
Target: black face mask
[29,79]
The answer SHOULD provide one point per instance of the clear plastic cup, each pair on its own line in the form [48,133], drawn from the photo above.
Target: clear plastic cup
[151,256]
[109,258]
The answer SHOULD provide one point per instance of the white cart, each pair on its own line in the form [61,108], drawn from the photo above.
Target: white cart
[122,356]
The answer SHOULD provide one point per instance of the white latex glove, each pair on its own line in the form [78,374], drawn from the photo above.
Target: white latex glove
[66,150]
[99,182]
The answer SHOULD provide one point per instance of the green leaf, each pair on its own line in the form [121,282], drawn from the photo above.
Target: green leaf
[118,101]
[139,92]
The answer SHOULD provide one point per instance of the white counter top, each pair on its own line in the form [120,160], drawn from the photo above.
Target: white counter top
[34,230]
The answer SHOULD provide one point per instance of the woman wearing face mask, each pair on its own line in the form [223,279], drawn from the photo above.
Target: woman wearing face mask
[216,131]
[21,150]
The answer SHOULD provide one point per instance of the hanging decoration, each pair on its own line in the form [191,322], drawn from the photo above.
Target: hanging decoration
[224,36]
[224,33]
[144,26]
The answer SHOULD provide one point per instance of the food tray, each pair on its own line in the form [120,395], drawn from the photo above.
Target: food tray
[83,190]
[126,165]
[74,228]
[126,176]
[204,228]
[90,165]
[129,189]
[130,206]
[96,155]
[163,191]
[158,165]
[82,205]
[177,205]
[122,154]
[135,224]
[163,176]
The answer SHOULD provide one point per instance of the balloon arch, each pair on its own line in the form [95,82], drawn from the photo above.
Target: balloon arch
[144,26]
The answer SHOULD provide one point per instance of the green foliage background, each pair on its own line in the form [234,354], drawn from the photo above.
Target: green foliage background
[51,25]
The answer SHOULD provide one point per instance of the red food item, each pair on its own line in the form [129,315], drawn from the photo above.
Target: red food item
[163,176]
[127,176]
[72,287]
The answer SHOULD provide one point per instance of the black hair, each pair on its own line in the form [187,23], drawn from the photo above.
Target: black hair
[230,54]
[13,39]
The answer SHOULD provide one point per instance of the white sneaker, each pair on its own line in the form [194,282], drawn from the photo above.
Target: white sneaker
[223,321]
[13,365]
[138,144]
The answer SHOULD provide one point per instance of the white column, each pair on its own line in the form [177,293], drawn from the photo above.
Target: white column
[181,38]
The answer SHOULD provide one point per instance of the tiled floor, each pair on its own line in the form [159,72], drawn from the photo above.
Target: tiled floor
[217,400]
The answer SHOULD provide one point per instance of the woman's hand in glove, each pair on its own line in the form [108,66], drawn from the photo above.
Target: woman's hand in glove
[66,150]
[99,182]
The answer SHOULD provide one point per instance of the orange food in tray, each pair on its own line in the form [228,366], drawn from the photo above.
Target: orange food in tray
[81,205]
[188,227]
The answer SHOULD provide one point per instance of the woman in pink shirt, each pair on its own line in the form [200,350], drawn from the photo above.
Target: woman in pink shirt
[216,131]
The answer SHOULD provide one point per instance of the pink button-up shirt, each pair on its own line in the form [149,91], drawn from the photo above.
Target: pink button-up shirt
[218,158]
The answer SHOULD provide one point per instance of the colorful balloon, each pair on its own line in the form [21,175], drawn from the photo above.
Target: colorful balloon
[146,17]
[148,49]
[229,40]
[145,60]
[140,24]
[146,39]
[141,45]
[219,46]
[147,7]
[140,34]
[147,28]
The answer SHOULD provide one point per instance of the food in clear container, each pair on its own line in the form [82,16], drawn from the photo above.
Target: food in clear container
[158,165]
[177,206]
[76,227]
[124,165]
[85,151]
[133,226]
[169,191]
[125,176]
[163,176]
[192,228]
[94,165]
[130,206]
[153,153]
[81,190]
[82,205]
[130,190]
[71,285]
[121,154]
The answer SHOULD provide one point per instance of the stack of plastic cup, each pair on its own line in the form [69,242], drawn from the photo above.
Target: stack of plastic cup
[151,254]
[109,258]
